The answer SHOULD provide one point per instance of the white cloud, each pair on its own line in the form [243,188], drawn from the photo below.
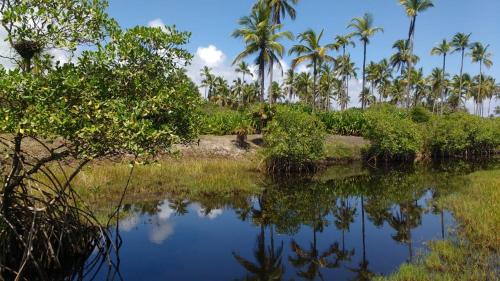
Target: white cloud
[5,50]
[129,223]
[160,232]
[211,56]
[202,213]
[157,23]
[165,211]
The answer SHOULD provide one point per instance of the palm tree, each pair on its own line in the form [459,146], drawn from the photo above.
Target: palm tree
[327,84]
[290,83]
[384,78]
[413,8]
[436,83]
[480,54]
[460,43]
[281,8]
[442,49]
[310,50]
[303,86]
[364,29]
[402,56]
[262,38]
[244,69]
[342,41]
[347,69]
[207,81]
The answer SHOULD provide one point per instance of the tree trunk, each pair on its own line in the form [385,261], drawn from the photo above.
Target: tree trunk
[271,90]
[262,80]
[364,77]
[443,97]
[410,62]
[461,72]
[9,185]
[315,77]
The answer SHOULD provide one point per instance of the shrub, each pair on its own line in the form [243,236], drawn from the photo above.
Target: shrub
[393,134]
[224,122]
[420,114]
[260,114]
[294,139]
[462,134]
[350,122]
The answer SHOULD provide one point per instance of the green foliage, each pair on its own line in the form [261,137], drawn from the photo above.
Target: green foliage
[293,139]
[224,122]
[129,95]
[351,122]
[261,114]
[420,114]
[462,134]
[393,134]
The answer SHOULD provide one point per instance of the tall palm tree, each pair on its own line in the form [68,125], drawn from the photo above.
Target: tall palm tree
[207,81]
[480,54]
[413,8]
[290,83]
[364,30]
[347,69]
[436,83]
[280,9]
[244,69]
[342,41]
[327,82]
[384,78]
[402,56]
[303,86]
[460,43]
[262,38]
[442,49]
[310,50]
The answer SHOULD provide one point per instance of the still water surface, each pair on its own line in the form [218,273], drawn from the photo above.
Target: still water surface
[343,224]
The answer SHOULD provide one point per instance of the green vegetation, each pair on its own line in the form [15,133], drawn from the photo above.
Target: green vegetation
[473,256]
[190,177]
[351,122]
[293,140]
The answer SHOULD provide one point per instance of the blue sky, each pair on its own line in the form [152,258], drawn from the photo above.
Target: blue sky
[212,21]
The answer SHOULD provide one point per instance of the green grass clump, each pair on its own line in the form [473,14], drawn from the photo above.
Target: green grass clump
[190,177]
[475,255]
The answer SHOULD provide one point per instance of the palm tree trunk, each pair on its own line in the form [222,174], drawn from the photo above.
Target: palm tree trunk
[443,97]
[410,62]
[364,77]
[271,94]
[363,227]
[480,98]
[461,71]
[262,79]
[315,77]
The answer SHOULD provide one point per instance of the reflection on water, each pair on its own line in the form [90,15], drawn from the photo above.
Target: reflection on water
[320,228]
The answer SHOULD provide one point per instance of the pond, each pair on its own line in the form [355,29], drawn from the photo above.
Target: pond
[342,224]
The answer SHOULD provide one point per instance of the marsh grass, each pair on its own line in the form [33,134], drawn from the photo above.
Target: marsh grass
[191,177]
[475,253]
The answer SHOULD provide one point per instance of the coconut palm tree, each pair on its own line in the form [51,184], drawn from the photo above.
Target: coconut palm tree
[384,78]
[345,68]
[364,30]
[281,8]
[207,82]
[310,50]
[437,83]
[261,37]
[303,86]
[327,85]
[397,91]
[290,83]
[402,56]
[460,43]
[413,8]
[480,54]
[442,49]
[244,69]
[342,41]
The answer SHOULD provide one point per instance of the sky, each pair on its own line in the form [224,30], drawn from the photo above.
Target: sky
[212,22]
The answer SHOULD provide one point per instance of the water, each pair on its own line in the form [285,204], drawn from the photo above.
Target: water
[329,227]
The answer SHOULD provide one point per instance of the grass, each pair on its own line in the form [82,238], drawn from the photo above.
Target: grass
[475,253]
[344,148]
[190,177]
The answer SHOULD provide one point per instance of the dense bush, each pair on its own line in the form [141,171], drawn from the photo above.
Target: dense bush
[462,134]
[294,139]
[420,114]
[350,122]
[393,134]
[224,122]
